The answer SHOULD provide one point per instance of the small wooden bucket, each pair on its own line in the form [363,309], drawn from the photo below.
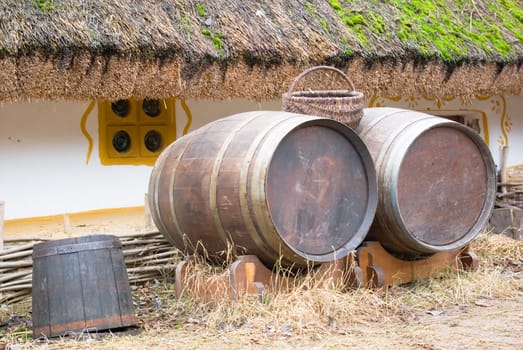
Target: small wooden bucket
[80,284]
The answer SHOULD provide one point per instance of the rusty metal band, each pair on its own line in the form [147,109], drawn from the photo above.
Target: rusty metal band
[259,169]
[155,176]
[171,186]
[381,169]
[243,188]
[392,172]
[396,151]
[76,248]
[367,126]
[213,189]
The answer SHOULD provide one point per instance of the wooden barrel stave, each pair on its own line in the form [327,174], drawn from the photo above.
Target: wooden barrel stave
[78,284]
[436,181]
[219,195]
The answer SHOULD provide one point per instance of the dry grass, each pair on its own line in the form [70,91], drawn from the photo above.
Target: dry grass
[314,316]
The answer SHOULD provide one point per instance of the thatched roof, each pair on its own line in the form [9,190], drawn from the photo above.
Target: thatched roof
[65,49]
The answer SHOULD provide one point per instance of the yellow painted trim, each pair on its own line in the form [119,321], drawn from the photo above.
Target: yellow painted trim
[83,128]
[77,215]
[188,114]
[102,221]
[484,120]
[373,100]
[503,120]
[171,106]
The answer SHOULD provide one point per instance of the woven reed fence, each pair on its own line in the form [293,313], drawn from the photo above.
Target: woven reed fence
[148,256]
[515,177]
[511,194]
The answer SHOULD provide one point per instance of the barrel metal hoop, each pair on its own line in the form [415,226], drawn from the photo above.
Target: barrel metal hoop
[260,166]
[171,186]
[393,171]
[154,198]
[244,186]
[364,129]
[214,176]
[76,247]
[383,170]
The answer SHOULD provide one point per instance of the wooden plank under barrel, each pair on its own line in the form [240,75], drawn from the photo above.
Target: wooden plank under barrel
[273,184]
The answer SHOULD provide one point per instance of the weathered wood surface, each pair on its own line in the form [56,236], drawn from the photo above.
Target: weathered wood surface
[275,184]
[80,283]
[380,269]
[148,256]
[436,181]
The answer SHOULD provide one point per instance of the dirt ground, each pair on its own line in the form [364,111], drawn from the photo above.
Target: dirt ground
[489,321]
[487,324]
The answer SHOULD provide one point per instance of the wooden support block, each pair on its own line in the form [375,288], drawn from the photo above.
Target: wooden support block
[381,269]
[371,267]
[469,260]
[188,281]
[249,276]
[246,276]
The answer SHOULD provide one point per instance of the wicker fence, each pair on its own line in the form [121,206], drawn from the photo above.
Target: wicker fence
[148,256]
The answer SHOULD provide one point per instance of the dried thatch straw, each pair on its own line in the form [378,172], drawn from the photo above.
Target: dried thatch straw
[66,49]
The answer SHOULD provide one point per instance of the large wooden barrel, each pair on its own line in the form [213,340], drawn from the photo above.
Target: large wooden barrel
[436,181]
[80,284]
[278,185]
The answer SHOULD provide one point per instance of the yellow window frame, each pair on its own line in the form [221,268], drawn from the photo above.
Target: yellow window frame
[136,124]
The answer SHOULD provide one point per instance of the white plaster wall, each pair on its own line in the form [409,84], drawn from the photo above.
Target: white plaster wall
[514,131]
[43,169]
[205,111]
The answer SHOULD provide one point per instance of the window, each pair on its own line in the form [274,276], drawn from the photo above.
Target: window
[135,131]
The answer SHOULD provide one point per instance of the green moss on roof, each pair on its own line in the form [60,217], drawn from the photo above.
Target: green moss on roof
[200,9]
[45,5]
[300,32]
[436,28]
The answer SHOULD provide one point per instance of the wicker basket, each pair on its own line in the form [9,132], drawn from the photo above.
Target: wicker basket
[345,106]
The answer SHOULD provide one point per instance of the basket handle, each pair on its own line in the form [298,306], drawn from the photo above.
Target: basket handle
[312,69]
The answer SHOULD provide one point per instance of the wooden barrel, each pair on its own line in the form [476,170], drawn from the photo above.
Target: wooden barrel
[80,284]
[273,184]
[436,181]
